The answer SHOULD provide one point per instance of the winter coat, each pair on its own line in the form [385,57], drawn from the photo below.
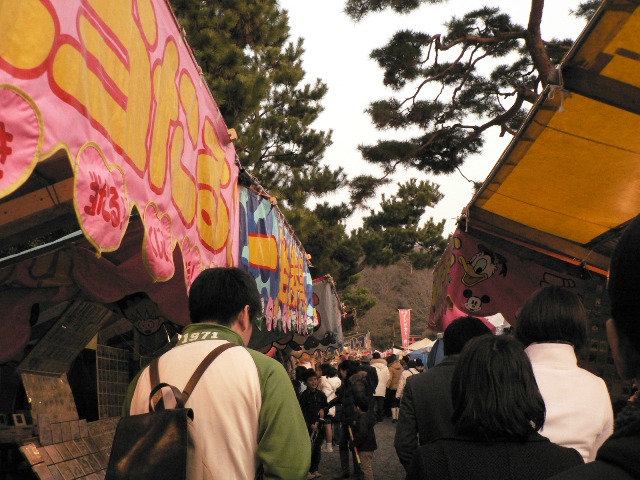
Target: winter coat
[364,436]
[460,458]
[329,386]
[403,381]
[372,378]
[384,376]
[352,389]
[619,456]
[426,409]
[244,405]
[563,385]
[396,371]
[311,402]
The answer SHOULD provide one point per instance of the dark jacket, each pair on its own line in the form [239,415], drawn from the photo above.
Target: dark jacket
[311,402]
[425,409]
[461,458]
[354,387]
[619,457]
[372,377]
[364,436]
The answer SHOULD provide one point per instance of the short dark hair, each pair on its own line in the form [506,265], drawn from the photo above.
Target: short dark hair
[310,372]
[219,295]
[624,284]
[328,370]
[349,366]
[300,372]
[494,391]
[553,314]
[376,354]
[460,331]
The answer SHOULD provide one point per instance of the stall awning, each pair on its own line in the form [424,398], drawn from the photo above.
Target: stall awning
[420,344]
[570,179]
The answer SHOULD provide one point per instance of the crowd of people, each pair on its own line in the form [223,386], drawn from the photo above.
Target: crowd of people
[511,406]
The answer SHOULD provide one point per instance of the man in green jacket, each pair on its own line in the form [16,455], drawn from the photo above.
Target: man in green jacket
[246,411]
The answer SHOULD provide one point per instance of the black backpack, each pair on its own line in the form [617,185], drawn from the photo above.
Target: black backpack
[161,444]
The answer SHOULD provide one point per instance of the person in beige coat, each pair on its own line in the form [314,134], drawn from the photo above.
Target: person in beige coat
[395,369]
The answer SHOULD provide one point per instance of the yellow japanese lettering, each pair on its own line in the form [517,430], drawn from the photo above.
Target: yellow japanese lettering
[28,31]
[166,98]
[183,188]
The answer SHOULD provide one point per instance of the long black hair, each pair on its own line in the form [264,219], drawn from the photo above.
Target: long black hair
[495,395]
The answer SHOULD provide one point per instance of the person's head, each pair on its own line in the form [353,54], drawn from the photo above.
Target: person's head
[392,359]
[376,355]
[411,364]
[226,296]
[494,392]
[348,368]
[310,378]
[460,331]
[365,359]
[553,314]
[623,329]
[419,364]
[301,371]
[327,370]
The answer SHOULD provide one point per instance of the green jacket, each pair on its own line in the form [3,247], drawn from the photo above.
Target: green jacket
[246,411]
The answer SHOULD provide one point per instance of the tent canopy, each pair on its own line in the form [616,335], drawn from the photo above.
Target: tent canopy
[569,181]
[420,344]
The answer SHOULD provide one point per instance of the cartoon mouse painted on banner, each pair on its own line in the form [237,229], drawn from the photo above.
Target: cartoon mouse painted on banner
[482,266]
[474,303]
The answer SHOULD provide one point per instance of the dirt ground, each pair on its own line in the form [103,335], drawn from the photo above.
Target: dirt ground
[386,465]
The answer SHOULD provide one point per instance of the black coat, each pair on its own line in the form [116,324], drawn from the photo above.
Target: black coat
[461,458]
[425,409]
[311,402]
[364,436]
[372,377]
[353,388]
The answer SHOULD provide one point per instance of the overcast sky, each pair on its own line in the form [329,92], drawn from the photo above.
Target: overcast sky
[337,51]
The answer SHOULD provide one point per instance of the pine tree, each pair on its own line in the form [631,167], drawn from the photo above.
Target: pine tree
[452,123]
[255,74]
[396,231]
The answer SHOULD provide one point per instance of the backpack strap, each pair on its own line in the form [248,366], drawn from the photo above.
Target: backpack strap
[191,384]
[156,401]
[181,397]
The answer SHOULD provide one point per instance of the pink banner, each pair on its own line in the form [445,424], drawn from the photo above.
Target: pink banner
[114,85]
[486,276]
[405,326]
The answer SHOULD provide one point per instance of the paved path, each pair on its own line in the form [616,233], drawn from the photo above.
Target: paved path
[386,465]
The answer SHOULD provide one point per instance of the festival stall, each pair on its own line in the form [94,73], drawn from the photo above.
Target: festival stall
[327,331]
[554,205]
[420,350]
[119,184]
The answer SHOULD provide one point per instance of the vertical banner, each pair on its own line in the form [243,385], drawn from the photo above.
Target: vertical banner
[269,251]
[405,325]
[328,330]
